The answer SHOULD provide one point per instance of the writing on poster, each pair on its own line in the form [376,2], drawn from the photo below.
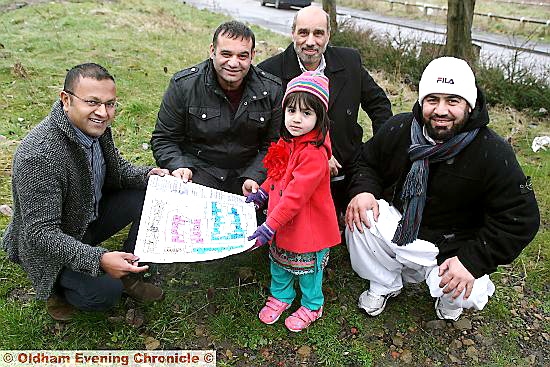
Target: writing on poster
[187,222]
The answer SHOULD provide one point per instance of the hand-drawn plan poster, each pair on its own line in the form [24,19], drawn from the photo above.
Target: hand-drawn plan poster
[187,222]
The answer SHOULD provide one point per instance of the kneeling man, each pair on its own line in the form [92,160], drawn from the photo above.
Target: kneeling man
[438,196]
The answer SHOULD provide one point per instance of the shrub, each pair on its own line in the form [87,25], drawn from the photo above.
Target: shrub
[398,56]
[507,83]
[519,89]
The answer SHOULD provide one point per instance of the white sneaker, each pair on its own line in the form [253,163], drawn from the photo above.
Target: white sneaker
[374,304]
[445,311]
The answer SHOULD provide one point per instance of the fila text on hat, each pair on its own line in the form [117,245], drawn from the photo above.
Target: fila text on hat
[448,75]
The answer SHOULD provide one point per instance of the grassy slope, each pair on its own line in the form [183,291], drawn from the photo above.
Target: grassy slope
[215,304]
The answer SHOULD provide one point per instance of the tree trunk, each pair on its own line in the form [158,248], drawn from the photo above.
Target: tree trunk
[460,16]
[330,7]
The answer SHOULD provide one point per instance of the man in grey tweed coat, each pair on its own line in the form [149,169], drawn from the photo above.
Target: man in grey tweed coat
[71,191]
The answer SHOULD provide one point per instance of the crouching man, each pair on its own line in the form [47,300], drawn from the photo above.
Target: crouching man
[72,190]
[438,196]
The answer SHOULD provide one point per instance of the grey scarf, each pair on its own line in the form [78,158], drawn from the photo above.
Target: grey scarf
[422,153]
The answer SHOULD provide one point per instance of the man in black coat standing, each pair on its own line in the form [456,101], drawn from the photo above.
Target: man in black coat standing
[438,196]
[350,86]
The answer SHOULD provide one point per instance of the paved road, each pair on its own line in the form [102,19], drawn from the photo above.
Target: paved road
[280,20]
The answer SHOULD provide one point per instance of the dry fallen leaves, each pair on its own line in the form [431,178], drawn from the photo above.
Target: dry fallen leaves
[135,317]
[6,210]
[19,70]
[304,351]
[151,343]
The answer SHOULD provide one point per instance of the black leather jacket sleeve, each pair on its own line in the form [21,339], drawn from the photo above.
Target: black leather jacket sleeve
[169,130]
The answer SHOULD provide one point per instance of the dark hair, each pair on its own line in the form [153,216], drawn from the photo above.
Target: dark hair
[234,29]
[87,70]
[306,100]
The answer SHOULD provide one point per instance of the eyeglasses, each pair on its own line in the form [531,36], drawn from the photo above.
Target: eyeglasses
[109,105]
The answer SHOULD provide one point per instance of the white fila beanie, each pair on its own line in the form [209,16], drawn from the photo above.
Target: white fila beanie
[448,75]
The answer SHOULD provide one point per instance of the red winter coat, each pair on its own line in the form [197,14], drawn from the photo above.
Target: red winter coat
[300,208]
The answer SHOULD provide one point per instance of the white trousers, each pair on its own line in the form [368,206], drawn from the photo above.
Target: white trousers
[374,257]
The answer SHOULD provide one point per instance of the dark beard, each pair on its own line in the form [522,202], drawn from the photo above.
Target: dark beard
[442,135]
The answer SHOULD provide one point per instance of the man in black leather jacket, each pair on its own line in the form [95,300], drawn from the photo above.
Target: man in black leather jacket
[218,118]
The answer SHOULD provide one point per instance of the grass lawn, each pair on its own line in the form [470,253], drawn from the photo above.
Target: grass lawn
[214,305]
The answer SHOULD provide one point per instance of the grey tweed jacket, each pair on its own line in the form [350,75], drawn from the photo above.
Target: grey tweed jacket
[53,200]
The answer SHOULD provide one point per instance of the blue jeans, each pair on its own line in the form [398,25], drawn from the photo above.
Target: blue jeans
[116,210]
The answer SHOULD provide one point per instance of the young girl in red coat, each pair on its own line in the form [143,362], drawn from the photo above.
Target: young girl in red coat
[301,219]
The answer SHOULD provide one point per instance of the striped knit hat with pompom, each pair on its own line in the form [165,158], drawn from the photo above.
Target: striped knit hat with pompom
[310,82]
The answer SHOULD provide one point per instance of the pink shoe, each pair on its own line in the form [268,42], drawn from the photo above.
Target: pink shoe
[302,318]
[272,310]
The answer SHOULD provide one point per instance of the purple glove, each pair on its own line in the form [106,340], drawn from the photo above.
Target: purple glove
[263,235]
[259,198]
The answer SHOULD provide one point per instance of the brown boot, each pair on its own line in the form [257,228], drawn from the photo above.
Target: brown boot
[137,289]
[59,309]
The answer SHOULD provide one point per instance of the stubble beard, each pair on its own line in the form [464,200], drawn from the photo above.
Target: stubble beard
[309,59]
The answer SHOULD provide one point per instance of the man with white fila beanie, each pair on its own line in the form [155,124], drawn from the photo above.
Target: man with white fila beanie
[438,196]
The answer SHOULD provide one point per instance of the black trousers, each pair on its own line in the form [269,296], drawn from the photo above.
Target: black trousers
[339,192]
[116,210]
